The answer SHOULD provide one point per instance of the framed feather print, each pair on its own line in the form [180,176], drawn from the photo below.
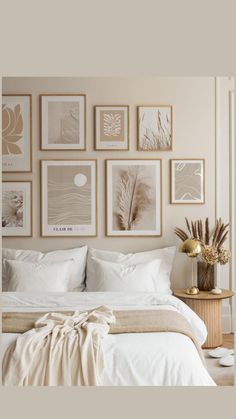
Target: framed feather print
[111,127]
[134,197]
[68,198]
[16,133]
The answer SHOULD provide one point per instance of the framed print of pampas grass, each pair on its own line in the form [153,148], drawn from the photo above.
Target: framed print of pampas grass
[155,128]
[68,198]
[133,197]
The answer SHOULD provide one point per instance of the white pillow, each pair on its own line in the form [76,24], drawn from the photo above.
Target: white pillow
[162,280]
[38,277]
[77,269]
[111,276]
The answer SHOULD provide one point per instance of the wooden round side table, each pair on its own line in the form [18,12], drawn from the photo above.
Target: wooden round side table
[208,307]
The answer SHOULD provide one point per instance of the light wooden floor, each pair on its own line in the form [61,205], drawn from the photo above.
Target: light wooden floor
[223,376]
[228,341]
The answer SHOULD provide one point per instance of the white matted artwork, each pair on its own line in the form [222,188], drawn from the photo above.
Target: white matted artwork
[16,133]
[63,122]
[133,197]
[187,181]
[16,209]
[111,127]
[155,128]
[69,197]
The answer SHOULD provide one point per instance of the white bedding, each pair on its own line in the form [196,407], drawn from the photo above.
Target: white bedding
[132,359]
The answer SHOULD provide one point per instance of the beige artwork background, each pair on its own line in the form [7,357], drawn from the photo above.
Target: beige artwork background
[112,113]
[63,122]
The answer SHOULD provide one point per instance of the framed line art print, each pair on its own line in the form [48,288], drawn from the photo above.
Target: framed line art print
[68,198]
[155,128]
[111,127]
[187,181]
[16,209]
[16,133]
[133,197]
[63,122]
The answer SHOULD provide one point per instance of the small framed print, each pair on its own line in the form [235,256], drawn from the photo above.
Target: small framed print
[133,197]
[187,181]
[111,126]
[16,209]
[155,128]
[69,197]
[16,133]
[63,122]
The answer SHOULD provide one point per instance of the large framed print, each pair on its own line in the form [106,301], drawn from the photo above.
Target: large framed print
[187,181]
[16,209]
[134,197]
[155,128]
[111,127]
[63,122]
[16,133]
[69,197]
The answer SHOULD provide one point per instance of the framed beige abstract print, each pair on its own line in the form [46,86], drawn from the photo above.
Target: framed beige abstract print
[16,133]
[63,122]
[69,196]
[111,126]
[16,209]
[133,197]
[155,128]
[187,181]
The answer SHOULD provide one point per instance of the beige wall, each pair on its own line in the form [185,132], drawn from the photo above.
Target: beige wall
[193,101]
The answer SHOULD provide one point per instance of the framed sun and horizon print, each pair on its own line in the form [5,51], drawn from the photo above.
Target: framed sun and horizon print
[111,127]
[134,197]
[187,181]
[155,132]
[63,121]
[16,133]
[68,198]
[16,208]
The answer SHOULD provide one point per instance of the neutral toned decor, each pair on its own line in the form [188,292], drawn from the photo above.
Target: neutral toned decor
[111,127]
[187,181]
[68,197]
[16,209]
[208,307]
[133,197]
[63,122]
[192,248]
[16,133]
[212,249]
[155,128]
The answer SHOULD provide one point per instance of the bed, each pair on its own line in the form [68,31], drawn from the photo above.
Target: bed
[130,359]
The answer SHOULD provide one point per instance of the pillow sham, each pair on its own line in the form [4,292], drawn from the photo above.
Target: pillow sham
[77,269]
[162,279]
[111,276]
[38,277]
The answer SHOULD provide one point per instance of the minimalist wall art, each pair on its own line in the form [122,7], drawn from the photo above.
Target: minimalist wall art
[187,181]
[154,128]
[16,133]
[16,209]
[111,126]
[133,197]
[63,122]
[69,197]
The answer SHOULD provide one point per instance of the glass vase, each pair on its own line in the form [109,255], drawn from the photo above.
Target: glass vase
[205,276]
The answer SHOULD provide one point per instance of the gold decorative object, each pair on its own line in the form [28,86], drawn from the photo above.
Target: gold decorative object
[192,248]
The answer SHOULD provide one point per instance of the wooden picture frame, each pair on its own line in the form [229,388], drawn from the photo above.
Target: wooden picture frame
[191,182]
[111,127]
[16,132]
[63,121]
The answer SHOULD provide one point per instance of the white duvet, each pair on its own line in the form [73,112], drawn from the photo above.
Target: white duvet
[131,359]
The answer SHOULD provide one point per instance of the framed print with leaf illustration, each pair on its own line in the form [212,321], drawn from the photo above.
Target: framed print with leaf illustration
[187,181]
[68,197]
[63,122]
[16,209]
[16,133]
[154,128]
[133,197]
[111,127]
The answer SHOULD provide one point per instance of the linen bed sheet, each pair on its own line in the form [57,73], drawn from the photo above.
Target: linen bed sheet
[130,359]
